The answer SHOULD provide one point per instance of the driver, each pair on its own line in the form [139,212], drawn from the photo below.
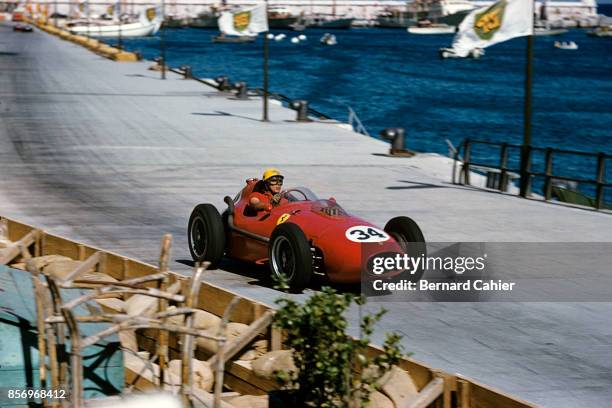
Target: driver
[271,196]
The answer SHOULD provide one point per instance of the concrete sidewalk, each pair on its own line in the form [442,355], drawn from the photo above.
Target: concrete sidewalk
[109,154]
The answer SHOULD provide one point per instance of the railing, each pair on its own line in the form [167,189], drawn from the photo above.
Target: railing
[356,123]
[287,100]
[599,181]
[253,91]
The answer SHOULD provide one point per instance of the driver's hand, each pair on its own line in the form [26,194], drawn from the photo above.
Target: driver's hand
[276,198]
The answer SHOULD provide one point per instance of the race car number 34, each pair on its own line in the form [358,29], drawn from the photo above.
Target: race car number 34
[365,233]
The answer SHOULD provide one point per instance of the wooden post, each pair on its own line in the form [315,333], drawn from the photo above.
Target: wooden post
[162,347]
[463,394]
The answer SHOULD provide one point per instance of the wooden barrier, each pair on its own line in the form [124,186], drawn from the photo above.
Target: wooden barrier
[435,386]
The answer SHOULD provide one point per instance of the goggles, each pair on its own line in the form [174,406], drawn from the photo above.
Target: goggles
[275,180]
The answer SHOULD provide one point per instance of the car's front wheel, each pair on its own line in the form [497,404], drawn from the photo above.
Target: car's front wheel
[206,235]
[410,237]
[290,256]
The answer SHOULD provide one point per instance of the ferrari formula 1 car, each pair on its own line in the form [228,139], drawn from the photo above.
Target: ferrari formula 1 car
[301,237]
[25,28]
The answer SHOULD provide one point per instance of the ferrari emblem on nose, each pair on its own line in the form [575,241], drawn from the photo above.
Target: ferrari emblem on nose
[283,218]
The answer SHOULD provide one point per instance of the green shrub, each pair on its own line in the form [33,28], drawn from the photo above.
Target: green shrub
[333,369]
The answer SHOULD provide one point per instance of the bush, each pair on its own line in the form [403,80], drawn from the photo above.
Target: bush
[333,369]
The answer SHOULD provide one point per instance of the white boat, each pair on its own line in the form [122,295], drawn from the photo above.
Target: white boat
[450,53]
[563,45]
[148,24]
[427,27]
[604,31]
[328,39]
[542,31]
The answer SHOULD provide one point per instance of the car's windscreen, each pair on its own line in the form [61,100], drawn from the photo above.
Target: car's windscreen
[300,194]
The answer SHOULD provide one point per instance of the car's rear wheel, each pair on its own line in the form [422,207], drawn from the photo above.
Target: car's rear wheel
[206,235]
[410,237]
[290,256]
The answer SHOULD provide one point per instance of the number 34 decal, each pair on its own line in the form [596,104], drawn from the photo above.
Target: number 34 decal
[364,233]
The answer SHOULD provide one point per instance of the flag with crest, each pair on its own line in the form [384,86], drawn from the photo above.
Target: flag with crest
[502,21]
[244,22]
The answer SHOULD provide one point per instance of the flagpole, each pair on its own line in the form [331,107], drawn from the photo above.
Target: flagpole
[162,42]
[265,70]
[526,147]
[120,39]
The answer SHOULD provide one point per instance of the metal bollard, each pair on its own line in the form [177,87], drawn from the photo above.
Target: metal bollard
[397,138]
[301,106]
[223,83]
[241,90]
[187,74]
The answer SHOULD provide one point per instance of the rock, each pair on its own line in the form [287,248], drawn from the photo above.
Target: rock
[267,365]
[127,339]
[41,262]
[379,400]
[18,265]
[258,349]
[142,305]
[114,304]
[399,386]
[202,374]
[250,401]
[206,320]
[232,331]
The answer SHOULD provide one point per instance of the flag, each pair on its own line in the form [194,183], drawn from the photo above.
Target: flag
[113,10]
[151,14]
[84,7]
[500,22]
[249,21]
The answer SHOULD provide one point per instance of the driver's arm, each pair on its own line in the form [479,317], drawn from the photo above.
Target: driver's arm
[258,203]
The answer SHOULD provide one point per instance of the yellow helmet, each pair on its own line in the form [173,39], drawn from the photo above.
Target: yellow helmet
[271,172]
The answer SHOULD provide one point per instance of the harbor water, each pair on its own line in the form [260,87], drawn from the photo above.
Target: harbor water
[393,79]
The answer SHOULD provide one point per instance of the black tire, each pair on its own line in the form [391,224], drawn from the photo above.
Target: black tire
[206,235]
[410,237]
[289,254]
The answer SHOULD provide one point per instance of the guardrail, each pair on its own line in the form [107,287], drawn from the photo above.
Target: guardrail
[253,91]
[599,181]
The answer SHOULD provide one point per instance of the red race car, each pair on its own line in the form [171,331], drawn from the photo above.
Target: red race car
[25,28]
[301,237]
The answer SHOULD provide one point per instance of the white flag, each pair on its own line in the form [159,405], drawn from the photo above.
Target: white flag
[500,22]
[249,21]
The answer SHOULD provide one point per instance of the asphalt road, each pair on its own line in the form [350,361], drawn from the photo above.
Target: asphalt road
[108,154]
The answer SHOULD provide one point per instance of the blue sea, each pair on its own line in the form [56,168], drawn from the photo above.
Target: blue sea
[393,79]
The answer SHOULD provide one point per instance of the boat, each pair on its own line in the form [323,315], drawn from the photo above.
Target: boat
[329,21]
[450,53]
[280,17]
[605,31]
[543,28]
[450,12]
[328,39]
[222,38]
[566,45]
[426,27]
[173,21]
[148,24]
[205,19]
